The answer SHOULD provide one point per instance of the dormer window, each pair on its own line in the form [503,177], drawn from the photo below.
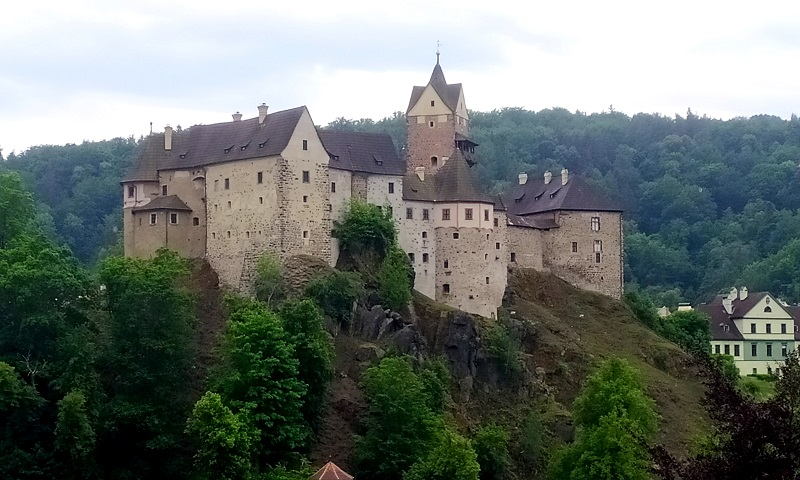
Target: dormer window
[725,328]
[377,159]
[182,155]
[131,191]
[228,150]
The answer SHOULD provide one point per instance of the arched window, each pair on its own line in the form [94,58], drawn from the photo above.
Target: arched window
[767,309]
[434,161]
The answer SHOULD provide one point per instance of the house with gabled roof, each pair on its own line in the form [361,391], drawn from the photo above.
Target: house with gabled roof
[230,191]
[757,329]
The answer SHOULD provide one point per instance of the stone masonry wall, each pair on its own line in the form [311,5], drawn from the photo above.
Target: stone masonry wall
[581,268]
[425,141]
[526,246]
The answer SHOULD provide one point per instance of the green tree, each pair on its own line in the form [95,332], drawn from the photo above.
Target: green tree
[224,441]
[491,448]
[335,293]
[20,427]
[74,437]
[453,458]
[400,426]
[689,329]
[303,323]
[396,278]
[259,376]
[16,207]
[365,227]
[147,358]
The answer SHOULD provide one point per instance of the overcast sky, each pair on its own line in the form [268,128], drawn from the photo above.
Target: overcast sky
[74,70]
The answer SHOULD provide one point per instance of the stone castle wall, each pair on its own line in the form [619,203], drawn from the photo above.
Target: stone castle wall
[426,141]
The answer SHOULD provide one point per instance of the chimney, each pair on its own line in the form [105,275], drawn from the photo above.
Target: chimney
[564,176]
[547,177]
[420,171]
[743,293]
[167,138]
[523,178]
[237,117]
[727,305]
[262,113]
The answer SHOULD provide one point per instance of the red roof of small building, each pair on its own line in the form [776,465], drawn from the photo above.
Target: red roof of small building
[331,472]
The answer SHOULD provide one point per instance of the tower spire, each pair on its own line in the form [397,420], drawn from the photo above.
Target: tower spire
[438,44]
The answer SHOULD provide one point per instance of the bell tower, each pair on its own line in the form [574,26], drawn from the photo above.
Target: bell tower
[436,120]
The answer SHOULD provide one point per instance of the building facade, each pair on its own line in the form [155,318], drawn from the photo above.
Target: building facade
[756,329]
[231,191]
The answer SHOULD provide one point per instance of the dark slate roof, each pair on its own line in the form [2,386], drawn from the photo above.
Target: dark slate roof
[169,202]
[720,317]
[463,138]
[537,197]
[220,142]
[362,152]
[449,93]
[532,222]
[453,182]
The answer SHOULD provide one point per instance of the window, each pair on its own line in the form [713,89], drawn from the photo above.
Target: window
[213,234]
[216,185]
[229,204]
[467,214]
[752,328]
[261,200]
[391,187]
[425,214]
[784,349]
[247,234]
[229,233]
[496,223]
[424,234]
[753,349]
[574,247]
[306,176]
[736,350]
[430,124]
[766,309]
[446,264]
[333,187]
[769,328]
[305,233]
[411,256]
[227,184]
[455,235]
[716,349]
[595,224]
[305,198]
[173,218]
[727,349]
[513,257]
[424,258]
[783,328]
[755,371]
[433,103]
[163,189]
[260,177]
[195,221]
[497,245]
[409,213]
[487,280]
[486,215]
[769,349]
[305,144]
[445,214]
[153,218]
[598,246]
[446,288]
[434,161]
[486,256]
[131,191]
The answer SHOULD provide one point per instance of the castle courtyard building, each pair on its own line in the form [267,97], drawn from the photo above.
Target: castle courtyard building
[229,192]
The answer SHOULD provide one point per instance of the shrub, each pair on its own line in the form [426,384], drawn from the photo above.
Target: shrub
[453,458]
[335,293]
[491,447]
[533,438]
[435,378]
[396,278]
[505,348]
[269,285]
[365,226]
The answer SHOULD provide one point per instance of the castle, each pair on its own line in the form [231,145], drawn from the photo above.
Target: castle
[230,191]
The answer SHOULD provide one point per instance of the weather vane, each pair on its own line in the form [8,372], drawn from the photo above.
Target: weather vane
[438,44]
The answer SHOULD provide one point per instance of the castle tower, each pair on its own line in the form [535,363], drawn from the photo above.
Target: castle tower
[437,122]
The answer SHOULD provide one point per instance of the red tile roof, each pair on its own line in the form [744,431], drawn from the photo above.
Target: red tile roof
[331,472]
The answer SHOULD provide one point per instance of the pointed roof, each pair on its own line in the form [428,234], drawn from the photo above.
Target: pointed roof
[330,472]
[454,182]
[216,143]
[169,202]
[723,325]
[449,93]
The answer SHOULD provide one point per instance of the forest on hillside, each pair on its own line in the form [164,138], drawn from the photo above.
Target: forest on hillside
[708,203]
